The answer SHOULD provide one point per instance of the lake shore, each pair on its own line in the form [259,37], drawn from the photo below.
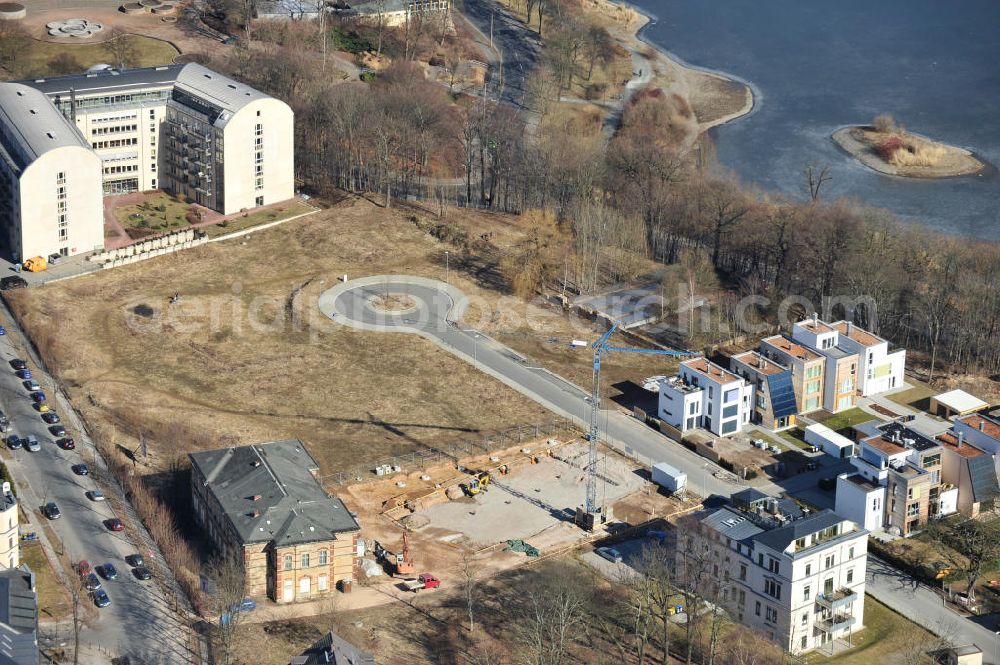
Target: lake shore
[714,97]
[939,159]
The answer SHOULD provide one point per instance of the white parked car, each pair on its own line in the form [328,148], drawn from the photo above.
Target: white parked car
[95,495]
[609,553]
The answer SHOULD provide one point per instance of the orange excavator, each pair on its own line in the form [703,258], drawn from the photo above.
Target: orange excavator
[404,564]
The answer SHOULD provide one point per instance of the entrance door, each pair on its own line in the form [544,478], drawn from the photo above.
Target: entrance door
[288,591]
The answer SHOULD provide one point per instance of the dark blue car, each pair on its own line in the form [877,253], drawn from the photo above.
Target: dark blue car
[101,598]
[24,374]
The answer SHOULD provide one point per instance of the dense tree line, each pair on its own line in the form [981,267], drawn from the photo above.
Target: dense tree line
[640,195]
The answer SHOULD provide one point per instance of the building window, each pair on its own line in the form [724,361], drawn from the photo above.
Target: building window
[806,593]
[63,234]
[773,564]
[743,572]
[61,178]
[913,510]
[757,608]
[288,562]
[850,575]
[259,130]
[304,584]
[322,557]
[829,561]
[259,200]
[321,583]
[805,618]
[772,589]
[809,568]
[850,552]
[304,561]
[805,642]
[771,615]
[691,408]
[259,184]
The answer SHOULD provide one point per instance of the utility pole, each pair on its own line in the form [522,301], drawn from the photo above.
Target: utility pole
[491,27]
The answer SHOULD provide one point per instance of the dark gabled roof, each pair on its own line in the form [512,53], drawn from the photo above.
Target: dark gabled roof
[732,524]
[335,650]
[780,538]
[108,81]
[269,493]
[18,617]
[984,478]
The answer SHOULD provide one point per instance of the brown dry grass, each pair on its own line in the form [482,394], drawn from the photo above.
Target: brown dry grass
[919,156]
[187,382]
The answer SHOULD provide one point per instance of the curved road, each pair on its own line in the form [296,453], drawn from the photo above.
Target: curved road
[435,316]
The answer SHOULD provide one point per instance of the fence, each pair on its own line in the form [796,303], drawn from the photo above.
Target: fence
[451,453]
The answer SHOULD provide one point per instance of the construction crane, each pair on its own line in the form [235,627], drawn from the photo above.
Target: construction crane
[586,517]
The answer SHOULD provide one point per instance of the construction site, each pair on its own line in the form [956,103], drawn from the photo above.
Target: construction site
[504,509]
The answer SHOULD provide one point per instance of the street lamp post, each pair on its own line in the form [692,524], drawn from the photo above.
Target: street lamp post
[447,268]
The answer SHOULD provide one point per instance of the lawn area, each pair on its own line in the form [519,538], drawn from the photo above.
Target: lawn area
[160,212]
[53,601]
[795,437]
[843,421]
[918,397]
[38,61]
[250,220]
[887,638]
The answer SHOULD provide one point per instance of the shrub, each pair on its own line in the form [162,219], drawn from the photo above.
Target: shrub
[161,207]
[884,123]
[595,91]
[191,217]
[887,148]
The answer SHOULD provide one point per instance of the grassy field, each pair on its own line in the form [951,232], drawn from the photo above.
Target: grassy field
[38,60]
[888,638]
[256,218]
[918,397]
[245,356]
[795,437]
[53,601]
[843,421]
[148,214]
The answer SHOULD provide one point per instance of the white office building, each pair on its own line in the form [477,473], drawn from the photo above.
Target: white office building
[702,394]
[181,128]
[798,578]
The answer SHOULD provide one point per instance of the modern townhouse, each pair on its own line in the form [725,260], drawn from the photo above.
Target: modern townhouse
[774,406]
[807,369]
[972,470]
[703,394]
[797,577]
[840,383]
[879,370]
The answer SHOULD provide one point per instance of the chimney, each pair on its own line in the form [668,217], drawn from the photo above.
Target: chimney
[982,425]
[815,318]
[961,437]
[850,328]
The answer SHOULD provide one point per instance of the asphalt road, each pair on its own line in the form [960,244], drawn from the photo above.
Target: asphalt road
[435,318]
[518,47]
[921,604]
[140,621]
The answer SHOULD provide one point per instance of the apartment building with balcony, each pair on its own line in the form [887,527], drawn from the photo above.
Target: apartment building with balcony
[67,141]
[897,480]
[797,577]
[840,380]
[879,370]
[807,369]
[703,394]
[774,405]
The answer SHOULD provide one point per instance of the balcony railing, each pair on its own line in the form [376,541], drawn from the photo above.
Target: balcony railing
[835,622]
[836,600]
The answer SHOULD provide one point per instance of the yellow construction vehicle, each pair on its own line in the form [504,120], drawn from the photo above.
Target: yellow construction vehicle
[36,264]
[478,483]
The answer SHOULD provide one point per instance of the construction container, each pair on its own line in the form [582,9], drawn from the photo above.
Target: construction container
[668,477]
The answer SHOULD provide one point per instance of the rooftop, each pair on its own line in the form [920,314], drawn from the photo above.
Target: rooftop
[984,424]
[950,442]
[18,616]
[859,335]
[779,539]
[269,493]
[32,125]
[708,369]
[333,650]
[790,347]
[759,363]
[862,482]
[887,446]
[221,91]
[961,401]
[907,436]
[107,81]
[815,325]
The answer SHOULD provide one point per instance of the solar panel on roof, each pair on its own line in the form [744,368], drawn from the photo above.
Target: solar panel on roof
[782,395]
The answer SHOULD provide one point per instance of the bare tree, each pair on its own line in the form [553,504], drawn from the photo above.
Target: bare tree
[972,545]
[553,616]
[228,580]
[120,49]
[815,178]
[75,597]
[469,578]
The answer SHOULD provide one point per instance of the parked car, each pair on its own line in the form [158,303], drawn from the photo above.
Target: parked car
[57,430]
[31,443]
[24,374]
[3,331]
[12,282]
[38,396]
[92,582]
[245,605]
[80,469]
[17,364]
[51,417]
[52,511]
[42,407]
[135,560]
[31,385]
[66,443]
[609,553]
[95,495]
[4,427]
[114,524]
[14,442]
[101,598]
[83,568]
[142,573]
[108,571]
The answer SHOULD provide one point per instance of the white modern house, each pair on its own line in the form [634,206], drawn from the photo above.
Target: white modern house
[840,382]
[831,443]
[703,394]
[879,370]
[798,578]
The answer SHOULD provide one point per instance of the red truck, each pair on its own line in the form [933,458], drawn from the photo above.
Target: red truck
[423,581]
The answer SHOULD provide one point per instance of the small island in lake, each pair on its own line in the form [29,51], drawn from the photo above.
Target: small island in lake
[888,148]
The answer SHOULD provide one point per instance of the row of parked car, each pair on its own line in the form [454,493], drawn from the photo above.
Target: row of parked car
[90,578]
